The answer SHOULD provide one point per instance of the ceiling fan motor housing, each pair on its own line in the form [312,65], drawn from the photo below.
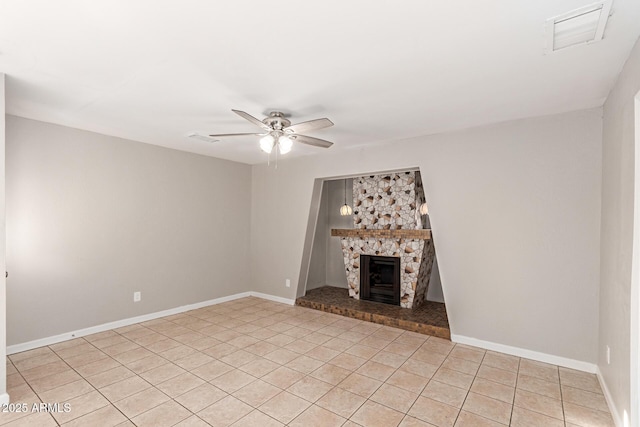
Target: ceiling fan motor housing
[276,121]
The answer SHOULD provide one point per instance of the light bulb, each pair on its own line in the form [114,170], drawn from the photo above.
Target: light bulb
[424,209]
[346,210]
[284,144]
[266,143]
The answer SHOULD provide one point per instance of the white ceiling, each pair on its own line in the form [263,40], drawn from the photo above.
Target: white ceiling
[154,71]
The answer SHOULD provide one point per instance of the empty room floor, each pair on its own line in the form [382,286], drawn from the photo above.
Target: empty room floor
[252,362]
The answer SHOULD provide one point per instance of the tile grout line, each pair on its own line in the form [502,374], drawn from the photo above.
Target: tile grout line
[431,379]
[173,362]
[304,376]
[515,390]
[117,361]
[564,418]
[32,389]
[156,353]
[316,323]
[469,390]
[94,387]
[233,367]
[108,356]
[353,344]
[385,381]
[354,371]
[327,362]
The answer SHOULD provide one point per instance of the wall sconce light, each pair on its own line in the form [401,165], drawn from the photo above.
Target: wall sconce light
[424,209]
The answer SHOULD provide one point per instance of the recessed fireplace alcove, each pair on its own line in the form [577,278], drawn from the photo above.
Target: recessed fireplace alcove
[401,287]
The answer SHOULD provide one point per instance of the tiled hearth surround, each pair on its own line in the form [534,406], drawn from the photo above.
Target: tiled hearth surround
[252,362]
[390,202]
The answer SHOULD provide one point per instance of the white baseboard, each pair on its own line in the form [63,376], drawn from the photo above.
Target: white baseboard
[617,419]
[528,354]
[18,348]
[273,298]
[4,399]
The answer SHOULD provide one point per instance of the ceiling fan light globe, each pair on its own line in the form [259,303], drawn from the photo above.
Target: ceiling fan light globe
[266,143]
[284,144]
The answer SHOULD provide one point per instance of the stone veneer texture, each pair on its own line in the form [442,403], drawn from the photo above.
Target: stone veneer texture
[390,201]
[412,264]
[386,201]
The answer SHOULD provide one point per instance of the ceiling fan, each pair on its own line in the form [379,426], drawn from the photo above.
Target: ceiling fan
[280,133]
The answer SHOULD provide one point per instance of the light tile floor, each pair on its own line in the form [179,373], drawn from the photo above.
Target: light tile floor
[252,362]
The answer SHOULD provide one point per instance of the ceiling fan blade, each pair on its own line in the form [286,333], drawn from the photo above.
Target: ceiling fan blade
[226,135]
[310,125]
[309,140]
[252,119]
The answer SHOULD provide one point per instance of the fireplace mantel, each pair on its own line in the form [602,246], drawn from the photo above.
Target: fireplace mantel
[424,234]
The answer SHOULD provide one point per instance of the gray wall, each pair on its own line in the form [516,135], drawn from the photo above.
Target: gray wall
[318,265]
[336,275]
[327,266]
[434,293]
[515,212]
[93,218]
[616,252]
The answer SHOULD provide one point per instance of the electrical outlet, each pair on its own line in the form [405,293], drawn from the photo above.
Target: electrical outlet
[287,283]
[137,296]
[608,356]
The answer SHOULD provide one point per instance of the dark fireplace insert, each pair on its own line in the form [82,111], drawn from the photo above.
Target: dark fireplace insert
[380,279]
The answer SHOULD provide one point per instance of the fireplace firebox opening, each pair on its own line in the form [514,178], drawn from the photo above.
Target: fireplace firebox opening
[380,279]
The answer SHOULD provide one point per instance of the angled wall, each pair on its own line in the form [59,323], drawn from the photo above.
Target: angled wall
[326,267]
[515,212]
[317,276]
[618,168]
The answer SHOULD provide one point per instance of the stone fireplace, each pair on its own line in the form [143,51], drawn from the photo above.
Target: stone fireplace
[387,224]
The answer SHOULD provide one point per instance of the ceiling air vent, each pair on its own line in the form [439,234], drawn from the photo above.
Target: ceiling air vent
[200,137]
[583,25]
